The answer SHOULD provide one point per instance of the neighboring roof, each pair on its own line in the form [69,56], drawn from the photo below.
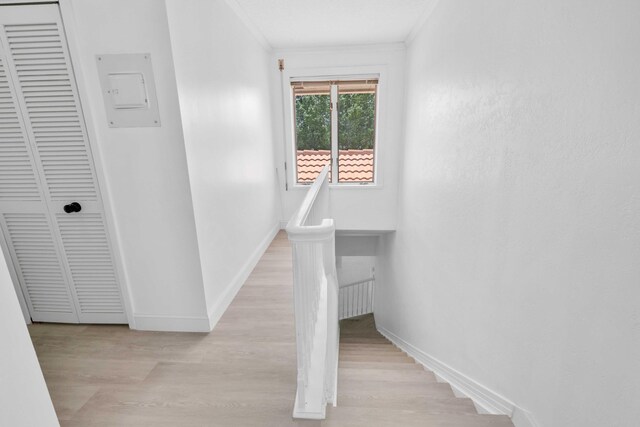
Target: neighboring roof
[310,163]
[353,165]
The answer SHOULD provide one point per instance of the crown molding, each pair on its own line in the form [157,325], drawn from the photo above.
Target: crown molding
[376,47]
[251,26]
[422,20]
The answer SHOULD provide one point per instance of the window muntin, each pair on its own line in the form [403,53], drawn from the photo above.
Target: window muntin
[335,123]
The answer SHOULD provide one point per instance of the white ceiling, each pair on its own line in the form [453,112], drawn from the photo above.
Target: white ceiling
[309,23]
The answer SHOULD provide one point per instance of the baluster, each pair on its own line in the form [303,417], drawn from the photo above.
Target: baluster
[353,302]
[369,296]
[350,301]
[373,294]
[365,297]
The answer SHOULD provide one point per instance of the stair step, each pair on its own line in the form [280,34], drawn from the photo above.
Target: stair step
[374,346]
[373,353]
[346,331]
[363,340]
[343,342]
[447,405]
[378,381]
[363,351]
[363,388]
[359,364]
[398,358]
[372,337]
[391,375]
[343,416]
[368,350]
[360,332]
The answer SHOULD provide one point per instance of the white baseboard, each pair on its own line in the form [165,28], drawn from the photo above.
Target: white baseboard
[169,323]
[283,224]
[485,399]
[236,283]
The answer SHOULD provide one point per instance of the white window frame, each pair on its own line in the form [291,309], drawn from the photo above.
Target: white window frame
[329,74]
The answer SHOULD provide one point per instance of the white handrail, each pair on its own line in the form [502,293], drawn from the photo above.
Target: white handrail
[346,285]
[315,285]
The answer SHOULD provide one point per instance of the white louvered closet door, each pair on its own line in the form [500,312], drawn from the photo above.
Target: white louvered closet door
[63,260]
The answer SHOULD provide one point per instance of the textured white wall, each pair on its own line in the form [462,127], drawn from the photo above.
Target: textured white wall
[517,255]
[359,208]
[223,85]
[24,399]
[145,168]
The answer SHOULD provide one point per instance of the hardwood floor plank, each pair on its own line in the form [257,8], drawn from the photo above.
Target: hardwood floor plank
[91,371]
[68,399]
[49,329]
[195,404]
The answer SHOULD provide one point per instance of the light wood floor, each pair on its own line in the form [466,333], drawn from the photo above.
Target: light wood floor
[241,374]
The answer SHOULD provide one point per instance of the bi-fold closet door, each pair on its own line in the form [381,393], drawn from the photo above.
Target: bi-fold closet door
[63,261]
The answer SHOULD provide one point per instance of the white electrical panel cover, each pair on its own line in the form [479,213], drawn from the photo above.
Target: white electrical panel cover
[129,90]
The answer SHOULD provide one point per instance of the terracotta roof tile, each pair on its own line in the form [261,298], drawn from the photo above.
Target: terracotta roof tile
[354,165]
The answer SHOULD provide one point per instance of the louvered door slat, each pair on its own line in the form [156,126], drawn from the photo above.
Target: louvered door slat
[39,266]
[87,251]
[40,51]
[18,181]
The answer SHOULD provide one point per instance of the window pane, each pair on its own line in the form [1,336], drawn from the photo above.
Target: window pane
[313,129]
[356,131]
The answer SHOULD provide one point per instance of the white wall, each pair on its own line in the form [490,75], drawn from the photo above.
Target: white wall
[223,85]
[352,269]
[24,399]
[516,259]
[353,208]
[146,173]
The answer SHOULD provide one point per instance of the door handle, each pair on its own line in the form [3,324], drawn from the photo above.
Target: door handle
[72,207]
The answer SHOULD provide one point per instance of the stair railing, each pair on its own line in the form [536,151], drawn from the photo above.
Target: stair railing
[315,285]
[357,298]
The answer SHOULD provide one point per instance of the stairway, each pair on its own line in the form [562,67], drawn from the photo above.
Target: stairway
[380,385]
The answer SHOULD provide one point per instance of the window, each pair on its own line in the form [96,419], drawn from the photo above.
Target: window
[335,124]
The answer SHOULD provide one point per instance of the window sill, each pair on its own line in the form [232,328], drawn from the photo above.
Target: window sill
[346,187]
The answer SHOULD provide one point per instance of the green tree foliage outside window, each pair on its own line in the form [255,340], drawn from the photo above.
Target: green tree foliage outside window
[356,121]
[313,122]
